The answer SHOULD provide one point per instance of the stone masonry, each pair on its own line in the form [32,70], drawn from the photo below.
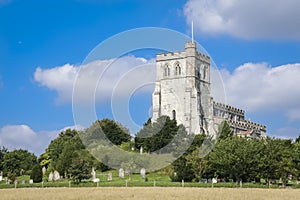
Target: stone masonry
[182,91]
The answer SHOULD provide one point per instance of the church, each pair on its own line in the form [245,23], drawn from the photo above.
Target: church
[182,92]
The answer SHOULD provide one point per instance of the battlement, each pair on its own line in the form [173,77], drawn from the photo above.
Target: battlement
[247,125]
[228,108]
[170,55]
[183,54]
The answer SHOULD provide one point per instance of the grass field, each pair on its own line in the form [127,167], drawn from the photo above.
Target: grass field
[160,193]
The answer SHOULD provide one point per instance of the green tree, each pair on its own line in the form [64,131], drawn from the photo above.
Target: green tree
[224,131]
[36,173]
[278,159]
[236,158]
[190,166]
[3,151]
[18,162]
[97,133]
[155,136]
[68,139]
[297,155]
[81,165]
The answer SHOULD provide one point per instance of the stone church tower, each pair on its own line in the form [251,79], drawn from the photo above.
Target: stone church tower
[182,89]
[182,92]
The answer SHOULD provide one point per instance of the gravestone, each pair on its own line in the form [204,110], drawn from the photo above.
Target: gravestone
[1,178]
[121,173]
[214,180]
[93,173]
[56,176]
[23,182]
[50,178]
[96,180]
[44,170]
[109,176]
[143,172]
[141,150]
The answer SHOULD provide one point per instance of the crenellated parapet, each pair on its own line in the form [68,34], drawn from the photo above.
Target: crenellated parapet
[181,54]
[247,125]
[227,111]
[236,119]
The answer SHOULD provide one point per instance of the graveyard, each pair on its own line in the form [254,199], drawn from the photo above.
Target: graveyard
[113,178]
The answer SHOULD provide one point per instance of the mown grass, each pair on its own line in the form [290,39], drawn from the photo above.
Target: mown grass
[134,180]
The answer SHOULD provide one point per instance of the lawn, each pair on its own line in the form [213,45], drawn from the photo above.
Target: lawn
[134,180]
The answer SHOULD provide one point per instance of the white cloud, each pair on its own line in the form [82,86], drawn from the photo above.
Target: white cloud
[22,136]
[249,19]
[98,78]
[258,87]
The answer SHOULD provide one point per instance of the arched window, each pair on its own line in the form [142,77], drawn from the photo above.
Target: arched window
[174,115]
[177,69]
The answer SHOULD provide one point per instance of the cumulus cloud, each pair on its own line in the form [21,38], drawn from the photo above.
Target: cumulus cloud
[97,79]
[258,87]
[248,19]
[22,136]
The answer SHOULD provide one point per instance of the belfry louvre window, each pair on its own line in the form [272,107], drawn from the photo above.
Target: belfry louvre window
[177,69]
[167,71]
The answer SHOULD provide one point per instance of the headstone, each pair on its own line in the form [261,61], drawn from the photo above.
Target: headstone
[214,180]
[50,178]
[93,173]
[96,180]
[44,170]
[109,176]
[121,173]
[23,182]
[56,176]
[1,178]
[141,150]
[143,172]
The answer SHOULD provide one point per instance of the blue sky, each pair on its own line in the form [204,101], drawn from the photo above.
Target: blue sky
[43,42]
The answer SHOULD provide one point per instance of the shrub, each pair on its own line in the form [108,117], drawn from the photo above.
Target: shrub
[36,174]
